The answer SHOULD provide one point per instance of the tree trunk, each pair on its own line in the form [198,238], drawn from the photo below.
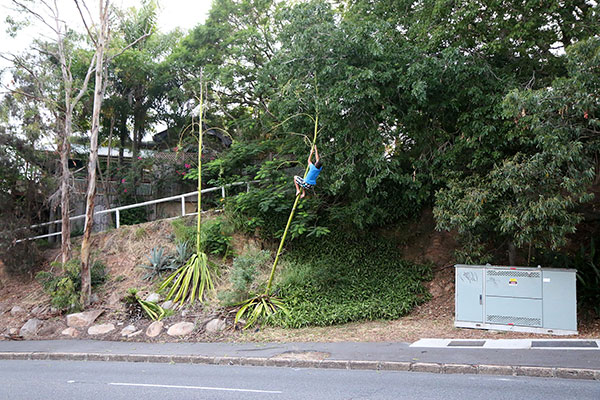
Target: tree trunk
[512,254]
[86,287]
[65,150]
[123,137]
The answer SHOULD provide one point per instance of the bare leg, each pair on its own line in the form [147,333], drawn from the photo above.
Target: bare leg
[303,193]
[297,187]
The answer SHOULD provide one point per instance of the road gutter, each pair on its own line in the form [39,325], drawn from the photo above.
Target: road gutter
[440,368]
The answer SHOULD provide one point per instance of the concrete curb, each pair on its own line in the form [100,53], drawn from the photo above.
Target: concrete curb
[439,368]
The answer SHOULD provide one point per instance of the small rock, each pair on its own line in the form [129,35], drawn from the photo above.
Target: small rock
[17,310]
[153,297]
[100,329]
[13,331]
[31,327]
[128,330]
[134,333]
[216,325]
[70,332]
[94,298]
[113,299]
[184,313]
[154,329]
[83,319]
[167,305]
[181,329]
[54,310]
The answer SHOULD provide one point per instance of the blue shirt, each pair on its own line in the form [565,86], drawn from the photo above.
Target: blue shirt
[313,173]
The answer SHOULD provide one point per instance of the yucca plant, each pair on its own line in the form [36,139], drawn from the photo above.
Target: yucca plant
[192,280]
[264,305]
[152,310]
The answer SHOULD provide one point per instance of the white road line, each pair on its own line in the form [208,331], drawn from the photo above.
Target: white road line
[194,387]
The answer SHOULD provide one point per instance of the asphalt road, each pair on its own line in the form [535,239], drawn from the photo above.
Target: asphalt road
[51,380]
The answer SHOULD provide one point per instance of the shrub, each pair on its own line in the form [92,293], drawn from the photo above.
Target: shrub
[184,230]
[587,263]
[65,288]
[243,275]
[133,216]
[215,235]
[348,278]
[19,258]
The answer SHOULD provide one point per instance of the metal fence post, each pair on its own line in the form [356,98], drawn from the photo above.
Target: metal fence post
[183,206]
[223,192]
[118,218]
[247,187]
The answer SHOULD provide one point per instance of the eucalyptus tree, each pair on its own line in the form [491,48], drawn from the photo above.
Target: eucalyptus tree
[67,53]
[99,33]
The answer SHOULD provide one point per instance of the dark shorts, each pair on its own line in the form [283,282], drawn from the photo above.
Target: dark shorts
[301,182]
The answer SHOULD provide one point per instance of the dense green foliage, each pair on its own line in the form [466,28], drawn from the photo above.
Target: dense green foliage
[215,234]
[64,287]
[346,278]
[486,111]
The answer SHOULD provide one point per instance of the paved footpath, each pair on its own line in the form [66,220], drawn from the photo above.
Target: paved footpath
[568,359]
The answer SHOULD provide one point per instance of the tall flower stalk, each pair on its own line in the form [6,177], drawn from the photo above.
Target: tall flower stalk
[192,280]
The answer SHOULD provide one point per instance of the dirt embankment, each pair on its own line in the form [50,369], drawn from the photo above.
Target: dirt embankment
[124,250]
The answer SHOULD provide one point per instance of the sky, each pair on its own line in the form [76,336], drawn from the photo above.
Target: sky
[184,14]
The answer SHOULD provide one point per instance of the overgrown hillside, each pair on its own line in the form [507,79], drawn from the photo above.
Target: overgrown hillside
[337,287]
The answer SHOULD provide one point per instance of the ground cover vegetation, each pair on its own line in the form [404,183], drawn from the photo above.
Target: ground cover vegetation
[486,112]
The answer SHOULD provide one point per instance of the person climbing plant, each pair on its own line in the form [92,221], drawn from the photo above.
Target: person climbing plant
[307,183]
[266,304]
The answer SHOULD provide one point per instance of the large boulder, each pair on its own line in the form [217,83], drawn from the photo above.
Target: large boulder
[70,332]
[215,325]
[100,329]
[181,329]
[83,319]
[31,328]
[16,311]
[51,328]
[154,329]
[153,298]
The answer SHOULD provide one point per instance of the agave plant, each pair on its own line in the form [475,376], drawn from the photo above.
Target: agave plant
[158,264]
[192,280]
[263,305]
[182,254]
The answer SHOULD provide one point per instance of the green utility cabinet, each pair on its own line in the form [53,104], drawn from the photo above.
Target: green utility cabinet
[539,300]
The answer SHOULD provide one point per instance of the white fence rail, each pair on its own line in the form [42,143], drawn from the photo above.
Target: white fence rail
[117,210]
